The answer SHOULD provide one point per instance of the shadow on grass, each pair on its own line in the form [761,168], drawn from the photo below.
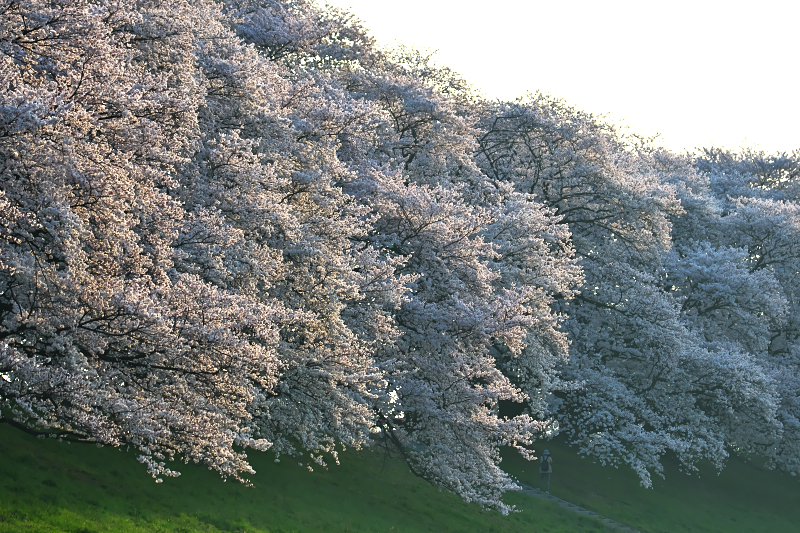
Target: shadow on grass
[744,497]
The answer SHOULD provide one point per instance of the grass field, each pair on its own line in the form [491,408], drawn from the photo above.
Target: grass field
[742,498]
[50,486]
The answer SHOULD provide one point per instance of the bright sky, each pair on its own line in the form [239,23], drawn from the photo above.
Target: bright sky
[699,72]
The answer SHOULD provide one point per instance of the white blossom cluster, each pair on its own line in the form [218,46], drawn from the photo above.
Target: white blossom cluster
[684,335]
[241,224]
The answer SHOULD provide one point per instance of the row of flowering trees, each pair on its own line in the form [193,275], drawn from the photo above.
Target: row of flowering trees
[240,224]
[684,335]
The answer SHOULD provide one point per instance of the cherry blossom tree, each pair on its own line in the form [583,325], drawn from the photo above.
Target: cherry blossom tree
[662,335]
[750,204]
[242,224]
[104,338]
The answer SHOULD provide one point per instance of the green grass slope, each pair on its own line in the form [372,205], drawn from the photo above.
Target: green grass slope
[47,486]
[742,498]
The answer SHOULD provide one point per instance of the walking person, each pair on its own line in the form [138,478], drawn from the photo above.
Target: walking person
[546,468]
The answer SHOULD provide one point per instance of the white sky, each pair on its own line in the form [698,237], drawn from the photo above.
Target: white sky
[699,72]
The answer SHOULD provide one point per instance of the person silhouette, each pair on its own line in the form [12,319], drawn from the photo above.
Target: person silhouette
[545,468]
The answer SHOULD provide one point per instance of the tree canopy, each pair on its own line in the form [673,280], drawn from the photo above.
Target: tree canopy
[242,224]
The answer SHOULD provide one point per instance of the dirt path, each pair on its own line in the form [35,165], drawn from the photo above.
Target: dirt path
[530,491]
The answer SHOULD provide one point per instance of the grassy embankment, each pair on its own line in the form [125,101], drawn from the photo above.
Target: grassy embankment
[743,498]
[50,486]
